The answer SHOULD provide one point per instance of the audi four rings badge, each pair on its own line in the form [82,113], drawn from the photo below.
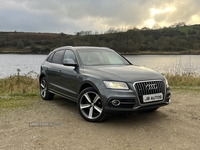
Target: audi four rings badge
[151,87]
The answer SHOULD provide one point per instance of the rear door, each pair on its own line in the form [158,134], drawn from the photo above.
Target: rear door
[54,71]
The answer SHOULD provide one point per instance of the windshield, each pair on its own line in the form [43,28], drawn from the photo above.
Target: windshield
[101,57]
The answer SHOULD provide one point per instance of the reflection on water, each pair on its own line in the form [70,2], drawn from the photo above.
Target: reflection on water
[176,64]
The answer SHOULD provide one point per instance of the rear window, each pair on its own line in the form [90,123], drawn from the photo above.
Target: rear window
[49,59]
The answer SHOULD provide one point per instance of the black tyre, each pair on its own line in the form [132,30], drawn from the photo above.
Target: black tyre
[90,105]
[44,90]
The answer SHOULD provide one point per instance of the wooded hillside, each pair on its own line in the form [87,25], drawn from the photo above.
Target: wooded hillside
[184,39]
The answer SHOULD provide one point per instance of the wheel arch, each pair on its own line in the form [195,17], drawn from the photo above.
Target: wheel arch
[84,86]
[87,84]
[41,76]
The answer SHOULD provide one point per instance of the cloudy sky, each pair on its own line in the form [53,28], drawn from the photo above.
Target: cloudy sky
[68,16]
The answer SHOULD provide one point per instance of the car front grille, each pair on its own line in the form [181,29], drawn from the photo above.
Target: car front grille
[149,87]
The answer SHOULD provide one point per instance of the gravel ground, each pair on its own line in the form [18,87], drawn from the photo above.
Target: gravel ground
[56,124]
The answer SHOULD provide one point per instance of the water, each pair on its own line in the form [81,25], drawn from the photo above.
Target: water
[9,63]
[173,64]
[176,64]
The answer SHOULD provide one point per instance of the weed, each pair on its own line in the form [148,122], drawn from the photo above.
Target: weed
[180,68]
[183,80]
[19,85]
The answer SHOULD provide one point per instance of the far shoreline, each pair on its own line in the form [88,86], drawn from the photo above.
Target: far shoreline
[186,52]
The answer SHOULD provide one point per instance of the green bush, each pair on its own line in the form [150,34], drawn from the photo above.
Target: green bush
[20,45]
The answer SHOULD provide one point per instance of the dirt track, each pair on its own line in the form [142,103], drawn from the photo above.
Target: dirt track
[57,125]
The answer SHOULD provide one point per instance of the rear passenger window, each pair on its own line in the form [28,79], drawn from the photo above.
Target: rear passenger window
[58,57]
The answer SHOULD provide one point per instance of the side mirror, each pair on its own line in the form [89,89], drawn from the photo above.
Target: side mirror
[69,62]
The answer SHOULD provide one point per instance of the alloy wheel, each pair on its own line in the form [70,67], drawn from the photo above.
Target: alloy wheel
[43,88]
[90,105]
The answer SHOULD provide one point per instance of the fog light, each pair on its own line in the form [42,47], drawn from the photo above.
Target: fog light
[115,102]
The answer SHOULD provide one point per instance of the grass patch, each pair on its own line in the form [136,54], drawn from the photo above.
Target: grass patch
[25,95]
[188,29]
[183,80]
[19,85]
[18,91]
[14,101]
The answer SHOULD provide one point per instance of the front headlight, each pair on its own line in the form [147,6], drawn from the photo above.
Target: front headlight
[166,82]
[116,85]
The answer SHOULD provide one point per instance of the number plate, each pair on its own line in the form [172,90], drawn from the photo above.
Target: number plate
[152,97]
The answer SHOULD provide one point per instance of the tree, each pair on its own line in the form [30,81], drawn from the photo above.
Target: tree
[2,43]
[145,28]
[111,30]
[35,49]
[156,26]
[196,46]
[20,45]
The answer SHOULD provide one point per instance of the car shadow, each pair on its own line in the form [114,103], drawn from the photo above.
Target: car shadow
[128,118]
[65,103]
[137,117]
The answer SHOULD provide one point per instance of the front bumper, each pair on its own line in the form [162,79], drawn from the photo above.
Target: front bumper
[129,101]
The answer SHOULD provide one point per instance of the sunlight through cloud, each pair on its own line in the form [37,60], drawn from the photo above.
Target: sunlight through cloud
[155,11]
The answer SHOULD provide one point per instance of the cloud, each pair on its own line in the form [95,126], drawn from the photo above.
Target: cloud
[182,11]
[69,16]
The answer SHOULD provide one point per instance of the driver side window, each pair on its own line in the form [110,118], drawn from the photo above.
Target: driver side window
[57,57]
[70,55]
